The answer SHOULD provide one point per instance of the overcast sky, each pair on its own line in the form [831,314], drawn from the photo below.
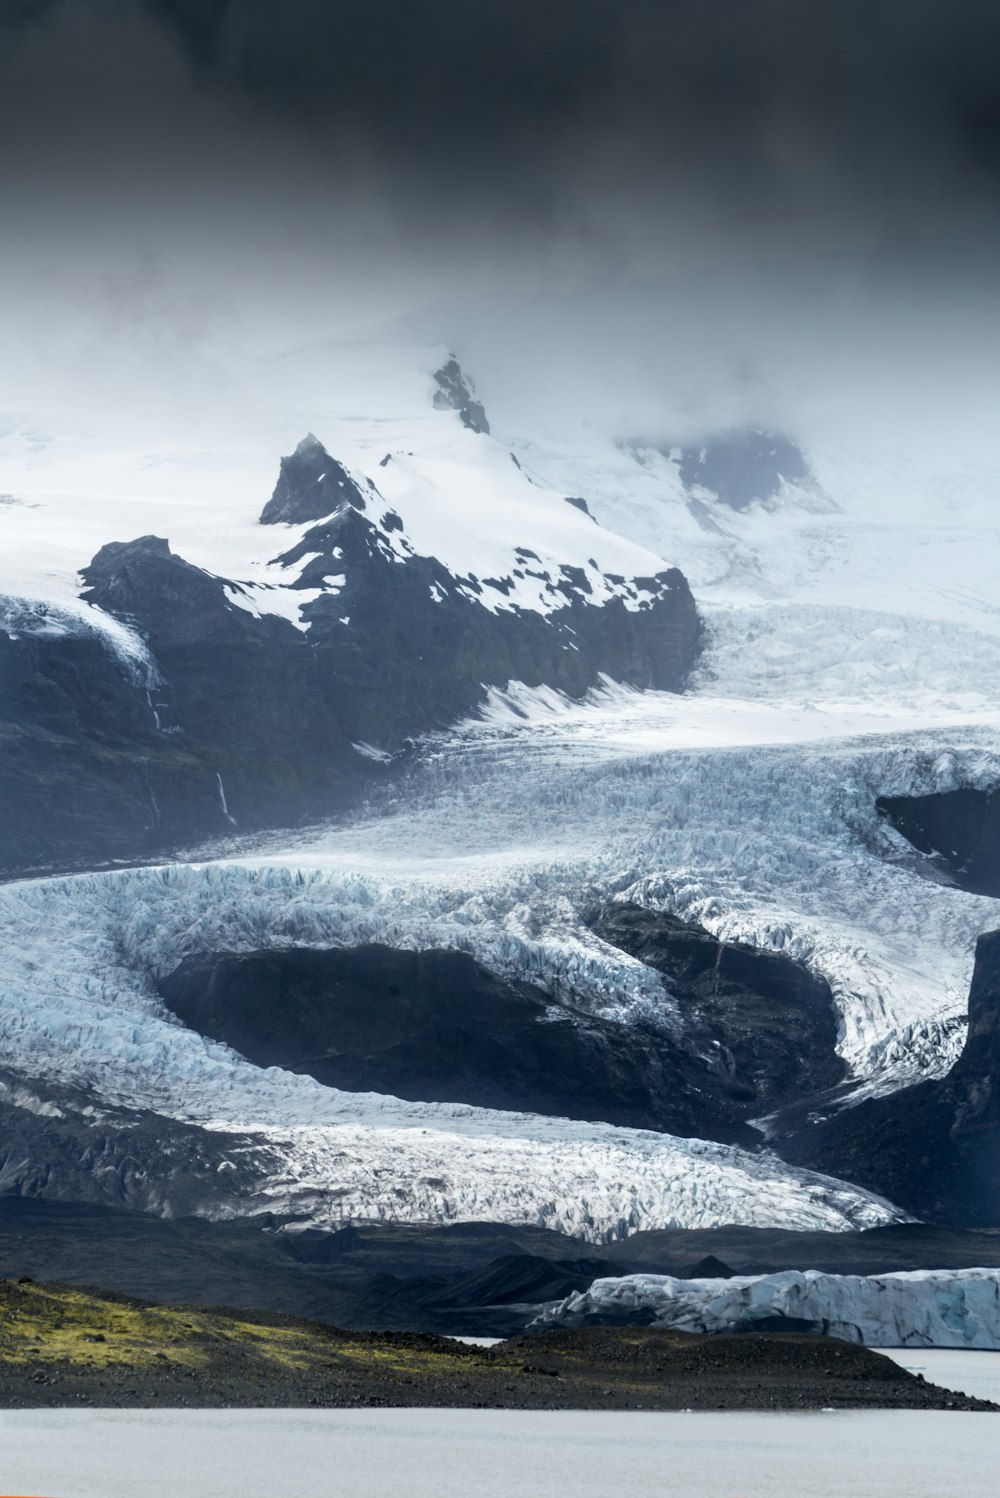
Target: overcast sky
[704,209]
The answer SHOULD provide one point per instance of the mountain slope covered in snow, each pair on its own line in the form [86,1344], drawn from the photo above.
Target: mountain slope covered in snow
[362,609]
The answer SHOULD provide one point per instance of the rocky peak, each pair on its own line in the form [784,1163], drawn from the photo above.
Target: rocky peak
[739,467]
[143,580]
[256,689]
[311,484]
[456,392]
[743,466]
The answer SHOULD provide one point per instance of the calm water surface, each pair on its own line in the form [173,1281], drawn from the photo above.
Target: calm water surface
[496,1454]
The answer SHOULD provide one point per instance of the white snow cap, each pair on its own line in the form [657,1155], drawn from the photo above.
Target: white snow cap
[459,497]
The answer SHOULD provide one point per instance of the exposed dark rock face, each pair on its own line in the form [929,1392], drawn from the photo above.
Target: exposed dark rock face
[435,643]
[708,1268]
[455,393]
[71,1147]
[742,467]
[436,1026]
[232,686]
[521,1279]
[80,756]
[934,1149]
[310,485]
[769,1023]
[247,720]
[959,829]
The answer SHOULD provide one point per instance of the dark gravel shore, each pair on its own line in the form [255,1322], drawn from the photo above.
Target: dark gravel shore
[60,1346]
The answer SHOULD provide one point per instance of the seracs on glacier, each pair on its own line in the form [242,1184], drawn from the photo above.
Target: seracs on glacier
[79,1011]
[925,1308]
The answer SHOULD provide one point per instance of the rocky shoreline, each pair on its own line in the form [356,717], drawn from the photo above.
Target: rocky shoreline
[61,1347]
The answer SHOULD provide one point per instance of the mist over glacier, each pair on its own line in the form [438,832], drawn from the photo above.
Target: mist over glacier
[629,221]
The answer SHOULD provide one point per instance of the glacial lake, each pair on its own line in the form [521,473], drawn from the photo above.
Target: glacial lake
[975,1373]
[497,1453]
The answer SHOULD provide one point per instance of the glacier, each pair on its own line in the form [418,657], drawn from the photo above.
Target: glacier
[852,651]
[501,838]
[923,1308]
[78,1010]
[499,844]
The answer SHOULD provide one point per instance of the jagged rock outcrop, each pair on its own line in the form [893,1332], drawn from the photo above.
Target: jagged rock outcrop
[933,1148]
[310,484]
[66,1145]
[455,393]
[769,1023]
[740,467]
[436,1026]
[959,830]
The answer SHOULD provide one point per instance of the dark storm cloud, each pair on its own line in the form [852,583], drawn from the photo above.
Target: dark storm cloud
[737,209]
[18,15]
[762,111]
[516,86]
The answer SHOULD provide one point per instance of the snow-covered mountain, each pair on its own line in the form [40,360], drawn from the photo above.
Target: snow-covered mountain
[449,490]
[364,607]
[424,632]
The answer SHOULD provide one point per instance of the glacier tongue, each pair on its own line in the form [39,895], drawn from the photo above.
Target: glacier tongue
[78,1011]
[926,1308]
[396,1162]
[522,844]
[744,814]
[506,840]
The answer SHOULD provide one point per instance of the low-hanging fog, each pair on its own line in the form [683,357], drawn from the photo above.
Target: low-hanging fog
[651,218]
